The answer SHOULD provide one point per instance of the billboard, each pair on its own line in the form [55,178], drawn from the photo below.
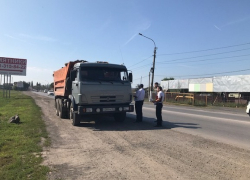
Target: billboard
[236,83]
[13,66]
[208,87]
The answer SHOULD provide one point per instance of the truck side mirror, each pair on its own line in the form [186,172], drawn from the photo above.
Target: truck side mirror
[130,76]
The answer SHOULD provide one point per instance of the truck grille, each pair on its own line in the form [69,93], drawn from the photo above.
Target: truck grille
[107,98]
[102,99]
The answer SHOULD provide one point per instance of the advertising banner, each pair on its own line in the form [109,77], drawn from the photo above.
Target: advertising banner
[13,66]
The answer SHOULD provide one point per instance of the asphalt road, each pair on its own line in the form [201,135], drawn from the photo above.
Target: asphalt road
[44,94]
[194,143]
[227,125]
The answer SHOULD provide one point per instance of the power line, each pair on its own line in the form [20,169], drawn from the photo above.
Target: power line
[204,59]
[141,66]
[211,74]
[140,61]
[141,77]
[192,52]
[172,61]
[205,55]
[204,50]
[219,62]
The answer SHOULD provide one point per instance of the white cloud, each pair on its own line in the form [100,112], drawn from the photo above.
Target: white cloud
[130,39]
[140,28]
[146,25]
[233,22]
[236,21]
[36,74]
[40,38]
[37,69]
[217,27]
[15,38]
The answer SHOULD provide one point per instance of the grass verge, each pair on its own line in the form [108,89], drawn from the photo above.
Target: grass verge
[21,144]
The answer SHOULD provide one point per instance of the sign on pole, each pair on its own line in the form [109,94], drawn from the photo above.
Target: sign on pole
[19,84]
[13,66]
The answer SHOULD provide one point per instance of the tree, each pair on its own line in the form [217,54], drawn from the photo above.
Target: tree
[38,86]
[25,86]
[167,79]
[51,86]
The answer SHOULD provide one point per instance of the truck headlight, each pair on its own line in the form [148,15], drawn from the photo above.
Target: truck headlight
[126,108]
[88,109]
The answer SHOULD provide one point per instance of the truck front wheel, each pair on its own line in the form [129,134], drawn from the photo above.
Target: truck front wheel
[74,117]
[120,117]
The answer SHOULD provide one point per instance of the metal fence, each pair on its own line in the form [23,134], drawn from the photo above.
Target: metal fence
[205,99]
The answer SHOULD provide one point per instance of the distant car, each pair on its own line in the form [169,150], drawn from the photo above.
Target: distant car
[248,108]
[50,93]
[45,90]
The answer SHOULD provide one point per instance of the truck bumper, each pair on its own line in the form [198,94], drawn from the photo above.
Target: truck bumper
[105,109]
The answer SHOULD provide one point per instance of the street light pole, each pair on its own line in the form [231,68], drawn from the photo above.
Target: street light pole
[153,69]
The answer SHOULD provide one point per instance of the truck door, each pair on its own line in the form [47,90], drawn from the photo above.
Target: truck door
[76,87]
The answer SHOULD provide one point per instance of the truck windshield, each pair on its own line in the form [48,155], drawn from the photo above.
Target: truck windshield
[103,74]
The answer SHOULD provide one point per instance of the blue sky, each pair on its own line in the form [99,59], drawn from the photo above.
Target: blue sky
[50,33]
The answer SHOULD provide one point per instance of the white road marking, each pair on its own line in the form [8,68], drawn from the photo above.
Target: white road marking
[202,110]
[201,116]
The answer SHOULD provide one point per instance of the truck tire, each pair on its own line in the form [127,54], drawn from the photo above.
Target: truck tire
[120,117]
[60,108]
[75,119]
[57,107]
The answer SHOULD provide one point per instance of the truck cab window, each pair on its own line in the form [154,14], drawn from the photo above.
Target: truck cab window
[84,75]
[124,76]
[103,74]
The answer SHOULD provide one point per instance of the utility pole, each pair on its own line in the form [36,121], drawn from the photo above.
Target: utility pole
[152,69]
[148,84]
[152,81]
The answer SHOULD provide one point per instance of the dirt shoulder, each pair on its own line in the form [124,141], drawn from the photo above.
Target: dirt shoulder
[108,150]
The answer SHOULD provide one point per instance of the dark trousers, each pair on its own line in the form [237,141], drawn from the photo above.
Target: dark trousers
[158,113]
[138,110]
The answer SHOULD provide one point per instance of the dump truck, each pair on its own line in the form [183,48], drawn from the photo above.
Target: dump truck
[84,89]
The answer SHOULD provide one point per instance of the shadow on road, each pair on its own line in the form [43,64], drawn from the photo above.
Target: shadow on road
[108,124]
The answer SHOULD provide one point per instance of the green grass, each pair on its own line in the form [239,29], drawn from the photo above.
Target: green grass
[20,144]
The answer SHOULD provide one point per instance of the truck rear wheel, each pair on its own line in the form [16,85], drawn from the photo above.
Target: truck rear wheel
[60,108]
[120,117]
[74,117]
[56,106]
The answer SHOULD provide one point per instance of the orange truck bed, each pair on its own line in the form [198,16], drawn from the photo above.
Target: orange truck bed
[60,77]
